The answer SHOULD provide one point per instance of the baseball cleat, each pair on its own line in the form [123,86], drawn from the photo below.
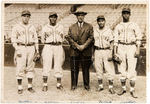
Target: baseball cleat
[31,90]
[133,94]
[87,88]
[122,92]
[111,90]
[100,89]
[60,87]
[20,91]
[45,88]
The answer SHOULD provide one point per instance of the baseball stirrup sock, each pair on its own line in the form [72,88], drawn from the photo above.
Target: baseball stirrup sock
[29,85]
[124,87]
[131,89]
[110,86]
[100,85]
[20,87]
[58,84]
[45,84]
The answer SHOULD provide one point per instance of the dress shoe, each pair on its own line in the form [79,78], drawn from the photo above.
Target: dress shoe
[111,90]
[31,90]
[45,88]
[133,94]
[122,92]
[20,91]
[87,88]
[73,88]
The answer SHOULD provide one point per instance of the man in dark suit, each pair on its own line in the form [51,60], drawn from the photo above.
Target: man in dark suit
[80,37]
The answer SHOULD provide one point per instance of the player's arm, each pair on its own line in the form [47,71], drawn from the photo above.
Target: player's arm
[14,38]
[115,35]
[138,40]
[36,40]
[43,35]
[62,32]
[14,41]
[111,39]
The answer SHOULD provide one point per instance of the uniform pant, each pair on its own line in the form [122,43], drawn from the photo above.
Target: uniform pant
[128,65]
[101,61]
[25,64]
[85,62]
[49,52]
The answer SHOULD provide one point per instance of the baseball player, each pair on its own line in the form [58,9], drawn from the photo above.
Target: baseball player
[25,41]
[127,37]
[52,37]
[103,37]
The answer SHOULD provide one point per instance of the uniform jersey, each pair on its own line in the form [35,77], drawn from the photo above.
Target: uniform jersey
[127,33]
[24,34]
[103,37]
[52,33]
[50,52]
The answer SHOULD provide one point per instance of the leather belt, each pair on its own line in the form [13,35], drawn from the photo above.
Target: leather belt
[30,44]
[54,43]
[99,48]
[132,43]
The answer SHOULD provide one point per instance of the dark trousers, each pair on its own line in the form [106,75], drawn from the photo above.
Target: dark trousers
[85,62]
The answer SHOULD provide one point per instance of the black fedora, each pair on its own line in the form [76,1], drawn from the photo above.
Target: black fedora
[80,12]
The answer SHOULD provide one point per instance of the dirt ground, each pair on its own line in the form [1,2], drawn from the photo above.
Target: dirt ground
[10,94]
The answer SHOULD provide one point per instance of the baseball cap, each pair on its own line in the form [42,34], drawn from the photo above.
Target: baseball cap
[126,10]
[53,14]
[100,17]
[25,12]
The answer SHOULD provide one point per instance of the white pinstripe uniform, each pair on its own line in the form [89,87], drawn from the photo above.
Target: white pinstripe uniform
[127,33]
[102,40]
[53,34]
[24,34]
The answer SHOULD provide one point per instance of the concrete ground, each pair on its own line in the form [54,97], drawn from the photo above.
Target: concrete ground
[10,94]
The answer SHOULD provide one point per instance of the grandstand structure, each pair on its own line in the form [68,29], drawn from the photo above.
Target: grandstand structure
[40,13]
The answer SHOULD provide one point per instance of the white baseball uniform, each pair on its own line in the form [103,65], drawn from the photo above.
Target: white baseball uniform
[53,34]
[126,36]
[24,39]
[102,40]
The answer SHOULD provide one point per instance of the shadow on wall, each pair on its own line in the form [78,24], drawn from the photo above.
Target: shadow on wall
[9,59]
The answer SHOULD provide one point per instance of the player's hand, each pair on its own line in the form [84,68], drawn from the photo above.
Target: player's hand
[137,54]
[18,53]
[36,57]
[110,58]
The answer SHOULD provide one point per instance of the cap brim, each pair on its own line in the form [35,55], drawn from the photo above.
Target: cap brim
[125,11]
[53,15]
[26,14]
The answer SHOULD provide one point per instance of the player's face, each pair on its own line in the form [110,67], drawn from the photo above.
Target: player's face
[53,19]
[80,18]
[25,19]
[126,15]
[101,23]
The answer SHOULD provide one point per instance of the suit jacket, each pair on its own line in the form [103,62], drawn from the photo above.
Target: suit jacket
[81,36]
